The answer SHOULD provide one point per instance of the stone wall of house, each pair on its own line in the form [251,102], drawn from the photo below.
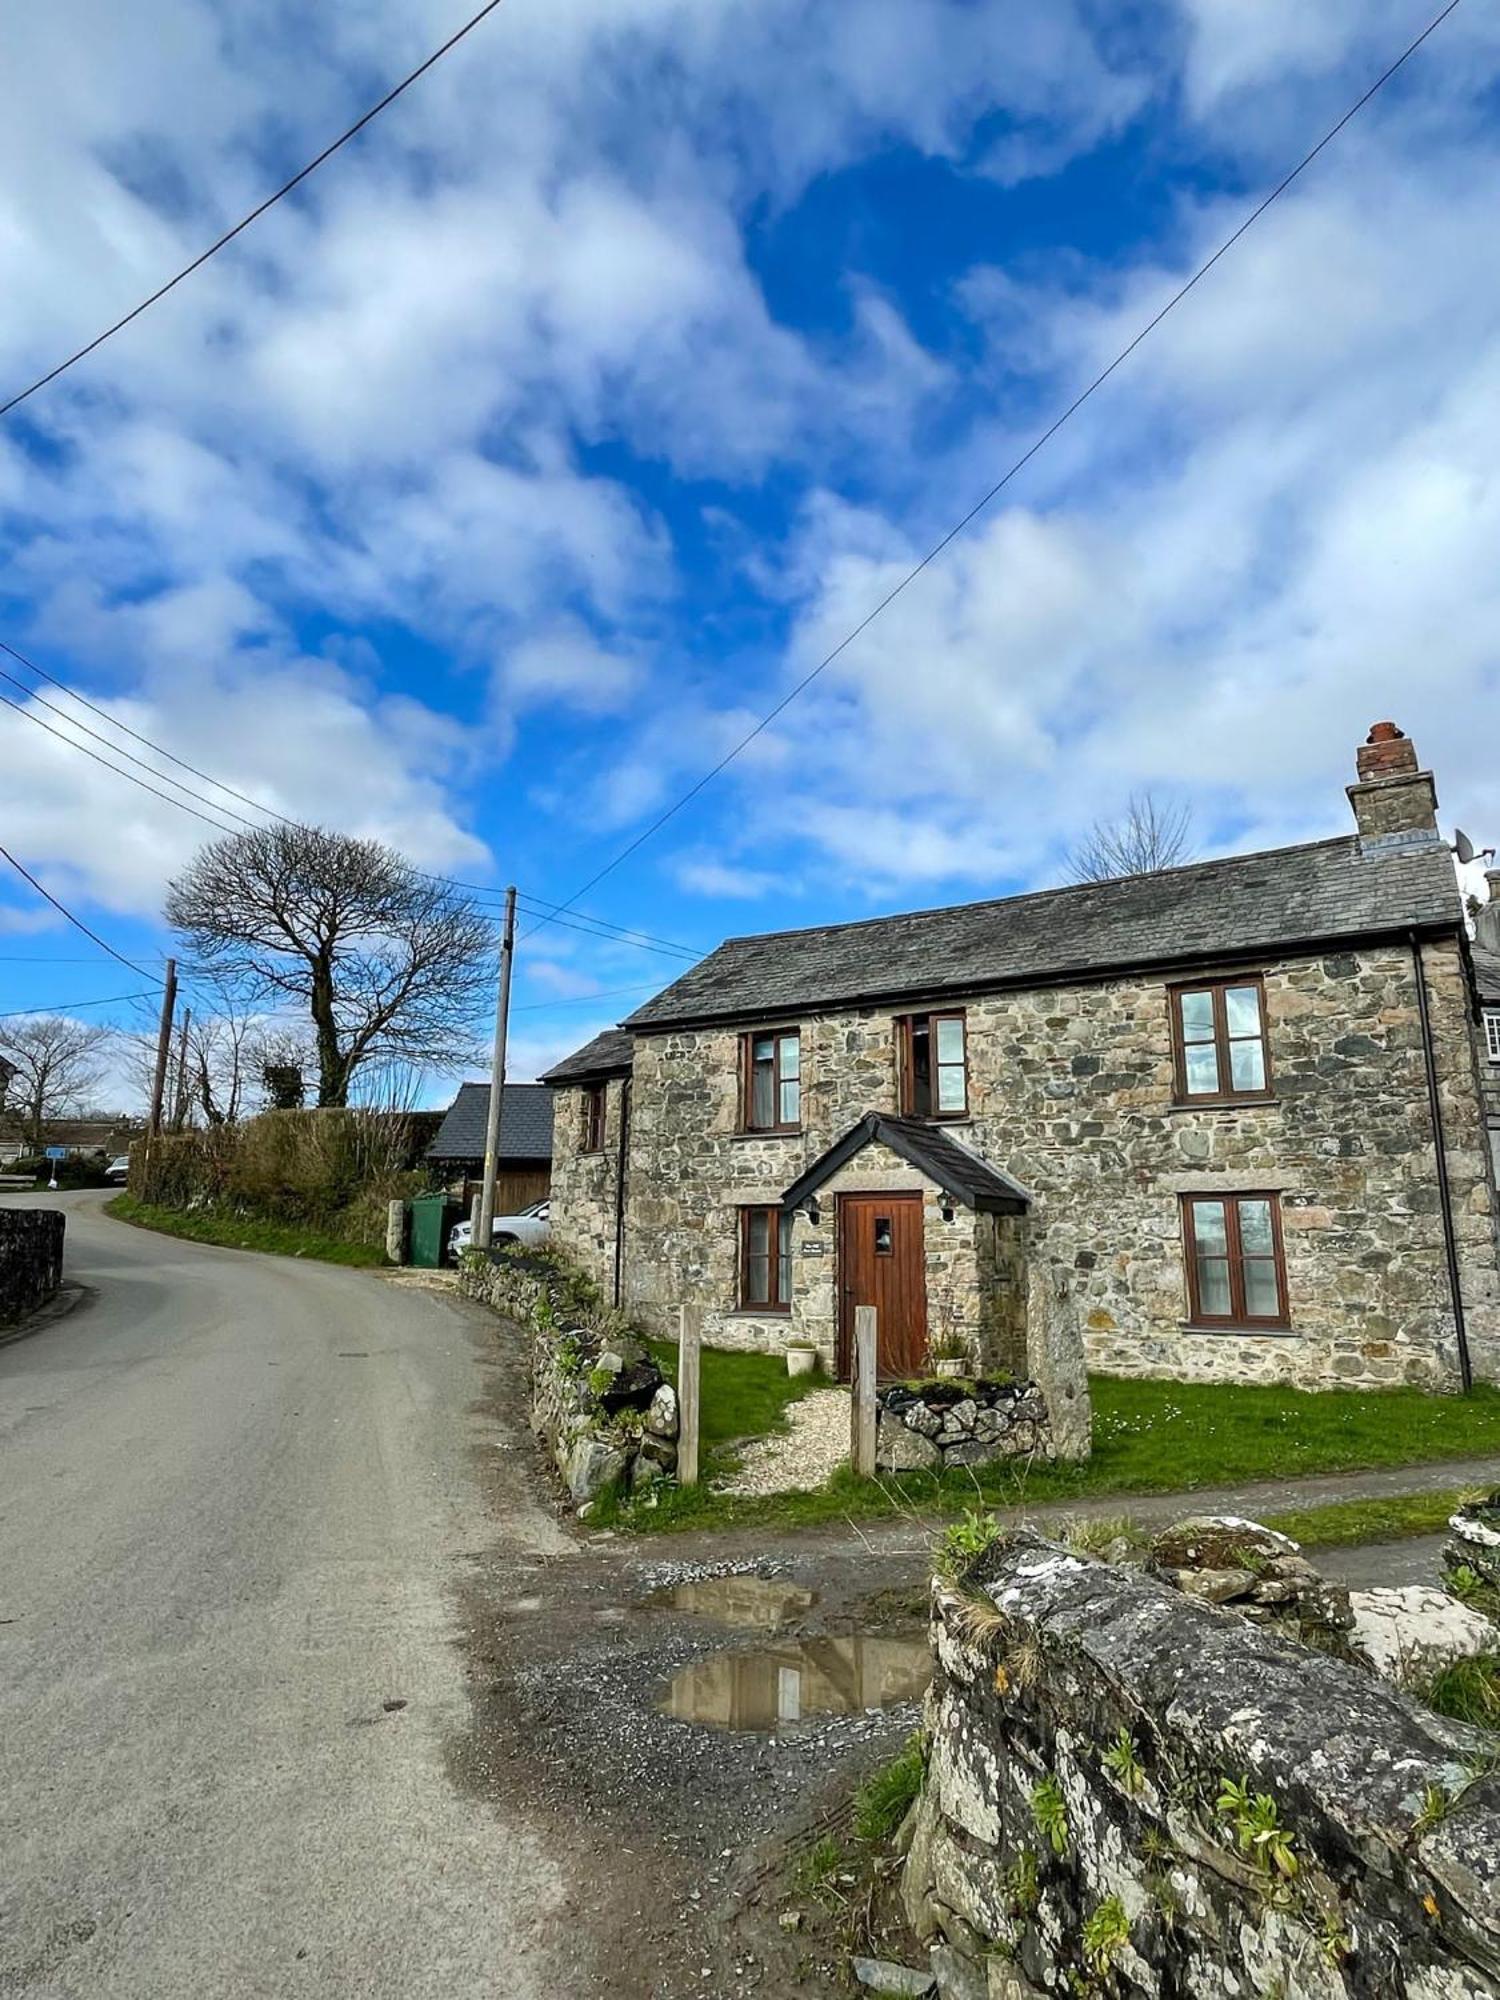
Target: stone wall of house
[1071,1091]
[31,1259]
[1090,1729]
[585,1186]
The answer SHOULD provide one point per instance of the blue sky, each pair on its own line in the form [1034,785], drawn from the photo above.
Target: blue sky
[489,489]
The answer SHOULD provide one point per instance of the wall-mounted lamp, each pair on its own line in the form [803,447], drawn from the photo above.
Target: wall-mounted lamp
[813,1212]
[947,1206]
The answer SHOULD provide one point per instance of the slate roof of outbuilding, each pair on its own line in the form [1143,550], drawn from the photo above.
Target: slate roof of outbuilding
[525,1124]
[931,1151]
[609,1054]
[1487,973]
[1323,893]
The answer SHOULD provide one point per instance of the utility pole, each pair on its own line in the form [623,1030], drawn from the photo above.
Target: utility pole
[163,1046]
[497,1079]
[179,1095]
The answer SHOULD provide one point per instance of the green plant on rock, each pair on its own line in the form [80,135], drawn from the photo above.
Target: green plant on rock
[1156,1847]
[1105,1934]
[1468,1691]
[1022,1888]
[1050,1811]
[1257,1827]
[1123,1761]
[1165,1897]
[1436,1802]
[887,1795]
[963,1541]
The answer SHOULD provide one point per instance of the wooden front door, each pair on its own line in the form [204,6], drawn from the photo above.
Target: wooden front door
[882,1264]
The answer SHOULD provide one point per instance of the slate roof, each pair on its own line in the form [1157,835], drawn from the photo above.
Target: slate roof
[1487,974]
[609,1054]
[932,1151]
[525,1124]
[1322,893]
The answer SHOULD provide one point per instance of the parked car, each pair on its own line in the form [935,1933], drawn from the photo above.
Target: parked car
[118,1169]
[530,1226]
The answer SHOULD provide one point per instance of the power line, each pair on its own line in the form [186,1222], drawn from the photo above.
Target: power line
[244,223]
[72,1006]
[76,922]
[584,999]
[73,744]
[1000,484]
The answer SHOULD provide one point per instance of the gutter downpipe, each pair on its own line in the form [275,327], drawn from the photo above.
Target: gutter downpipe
[1445,1196]
[620,1168]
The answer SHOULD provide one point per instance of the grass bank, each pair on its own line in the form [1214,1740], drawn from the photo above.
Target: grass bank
[1149,1437]
[238,1232]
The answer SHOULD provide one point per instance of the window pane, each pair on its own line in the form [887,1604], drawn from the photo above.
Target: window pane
[1247,1065]
[758,1281]
[950,1041]
[1208,1228]
[1202,1067]
[791,1056]
[1262,1297]
[759,1234]
[1213,1287]
[1256,1239]
[883,1243]
[784,1270]
[950,1088]
[1197,1016]
[762,1095]
[1492,1031]
[1242,1009]
[791,1100]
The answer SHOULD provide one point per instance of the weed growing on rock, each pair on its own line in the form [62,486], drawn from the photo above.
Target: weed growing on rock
[1122,1760]
[1436,1801]
[1050,1811]
[962,1542]
[887,1795]
[1022,1890]
[1468,1691]
[1106,1933]
[1257,1827]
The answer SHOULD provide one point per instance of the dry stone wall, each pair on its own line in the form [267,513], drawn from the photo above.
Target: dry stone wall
[1071,1092]
[31,1259]
[1130,1792]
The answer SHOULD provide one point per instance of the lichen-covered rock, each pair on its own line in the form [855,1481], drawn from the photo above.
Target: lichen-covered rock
[1474,1540]
[1255,1571]
[1412,1632]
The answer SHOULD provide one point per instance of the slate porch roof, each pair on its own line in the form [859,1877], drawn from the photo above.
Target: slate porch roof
[525,1124]
[1322,894]
[609,1054]
[931,1151]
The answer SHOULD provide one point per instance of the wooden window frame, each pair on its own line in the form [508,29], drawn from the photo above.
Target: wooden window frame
[1217,987]
[1237,1319]
[777,1219]
[906,1080]
[595,1116]
[747,1080]
[1492,1033]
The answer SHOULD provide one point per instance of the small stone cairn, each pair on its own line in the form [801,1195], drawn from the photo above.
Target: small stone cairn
[924,1426]
[1256,1572]
[1474,1541]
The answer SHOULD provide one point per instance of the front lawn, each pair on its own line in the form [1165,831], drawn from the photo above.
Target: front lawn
[742,1395]
[238,1232]
[1149,1437]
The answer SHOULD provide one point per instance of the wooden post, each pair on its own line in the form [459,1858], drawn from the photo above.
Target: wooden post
[689,1348]
[862,1400]
[163,1046]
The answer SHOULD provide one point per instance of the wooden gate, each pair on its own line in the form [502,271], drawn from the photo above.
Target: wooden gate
[882,1263]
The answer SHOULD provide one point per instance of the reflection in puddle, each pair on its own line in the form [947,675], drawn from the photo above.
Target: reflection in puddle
[757,1601]
[776,1686]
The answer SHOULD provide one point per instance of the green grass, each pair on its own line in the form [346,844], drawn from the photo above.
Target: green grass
[1149,1437]
[1468,1691]
[887,1795]
[1352,1523]
[237,1232]
[743,1395]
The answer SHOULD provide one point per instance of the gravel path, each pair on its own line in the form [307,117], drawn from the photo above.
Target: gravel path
[816,1445]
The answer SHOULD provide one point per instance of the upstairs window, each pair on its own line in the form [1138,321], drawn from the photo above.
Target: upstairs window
[1492,1033]
[934,1066]
[765,1259]
[1219,1041]
[595,1098]
[771,1082]
[1235,1267]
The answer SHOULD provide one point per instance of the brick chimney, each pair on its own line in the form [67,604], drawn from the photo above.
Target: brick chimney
[1395,804]
[1487,918]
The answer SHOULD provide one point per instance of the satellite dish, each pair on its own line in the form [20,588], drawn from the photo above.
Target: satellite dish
[1463,847]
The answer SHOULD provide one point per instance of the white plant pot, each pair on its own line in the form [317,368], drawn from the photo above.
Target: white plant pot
[801,1360]
[950,1364]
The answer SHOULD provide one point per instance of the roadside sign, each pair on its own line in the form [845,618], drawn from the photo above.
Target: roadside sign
[55,1153]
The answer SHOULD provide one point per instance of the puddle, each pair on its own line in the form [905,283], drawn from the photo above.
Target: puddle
[759,1602]
[775,1687]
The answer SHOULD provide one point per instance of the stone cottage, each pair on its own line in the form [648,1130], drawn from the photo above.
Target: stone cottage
[1234,1109]
[1487,1028]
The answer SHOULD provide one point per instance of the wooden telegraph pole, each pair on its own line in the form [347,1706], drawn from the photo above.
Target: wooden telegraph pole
[179,1093]
[486,1217]
[163,1048]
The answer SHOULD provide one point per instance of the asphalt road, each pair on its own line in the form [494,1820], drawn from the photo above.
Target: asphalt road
[235,1493]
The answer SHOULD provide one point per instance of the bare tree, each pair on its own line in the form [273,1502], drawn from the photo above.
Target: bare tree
[58,1062]
[390,966]
[1146,838]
